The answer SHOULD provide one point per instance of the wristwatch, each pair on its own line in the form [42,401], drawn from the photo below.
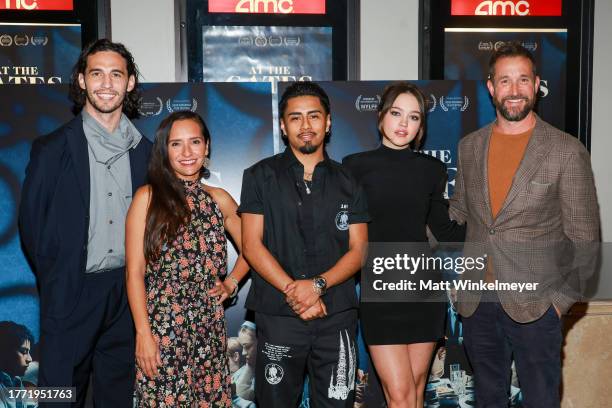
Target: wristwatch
[319,284]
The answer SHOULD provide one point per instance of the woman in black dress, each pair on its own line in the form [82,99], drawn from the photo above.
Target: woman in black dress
[405,191]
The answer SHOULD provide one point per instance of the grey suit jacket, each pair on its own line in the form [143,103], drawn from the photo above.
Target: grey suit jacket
[547,230]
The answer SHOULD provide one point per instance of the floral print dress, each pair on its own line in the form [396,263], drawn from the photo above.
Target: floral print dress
[187,324]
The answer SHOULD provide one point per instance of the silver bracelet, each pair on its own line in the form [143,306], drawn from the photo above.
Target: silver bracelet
[235,291]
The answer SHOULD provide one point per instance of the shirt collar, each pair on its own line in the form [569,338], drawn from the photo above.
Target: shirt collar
[289,159]
[105,146]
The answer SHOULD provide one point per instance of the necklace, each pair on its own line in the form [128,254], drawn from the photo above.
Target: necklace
[308,191]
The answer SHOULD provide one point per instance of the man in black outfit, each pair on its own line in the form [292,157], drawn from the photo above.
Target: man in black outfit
[304,233]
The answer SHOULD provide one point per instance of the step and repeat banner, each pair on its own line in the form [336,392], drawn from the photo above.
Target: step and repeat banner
[240,119]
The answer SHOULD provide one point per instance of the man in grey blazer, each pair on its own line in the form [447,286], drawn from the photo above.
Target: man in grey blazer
[526,191]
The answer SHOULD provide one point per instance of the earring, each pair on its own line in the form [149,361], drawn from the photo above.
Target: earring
[205,172]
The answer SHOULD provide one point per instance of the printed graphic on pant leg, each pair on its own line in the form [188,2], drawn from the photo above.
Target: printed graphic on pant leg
[273,371]
[342,380]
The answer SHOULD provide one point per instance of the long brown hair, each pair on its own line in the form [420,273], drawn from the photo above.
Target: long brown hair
[168,209]
[389,96]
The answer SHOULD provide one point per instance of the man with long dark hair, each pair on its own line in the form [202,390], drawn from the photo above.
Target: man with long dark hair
[304,233]
[78,187]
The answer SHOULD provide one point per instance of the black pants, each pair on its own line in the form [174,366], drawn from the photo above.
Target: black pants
[492,339]
[287,347]
[96,339]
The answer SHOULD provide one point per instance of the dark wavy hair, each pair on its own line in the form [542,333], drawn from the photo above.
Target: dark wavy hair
[306,88]
[390,94]
[12,336]
[303,89]
[168,209]
[511,49]
[78,95]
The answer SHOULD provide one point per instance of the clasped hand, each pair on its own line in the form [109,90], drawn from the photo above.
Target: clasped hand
[305,302]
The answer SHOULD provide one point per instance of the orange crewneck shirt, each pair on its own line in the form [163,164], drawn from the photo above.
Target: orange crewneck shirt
[505,155]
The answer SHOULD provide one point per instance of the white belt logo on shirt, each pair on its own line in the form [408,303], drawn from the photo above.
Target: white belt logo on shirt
[342,220]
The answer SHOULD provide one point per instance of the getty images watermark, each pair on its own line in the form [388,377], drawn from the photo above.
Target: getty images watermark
[416,272]
[407,264]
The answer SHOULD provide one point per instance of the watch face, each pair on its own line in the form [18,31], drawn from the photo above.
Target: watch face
[320,282]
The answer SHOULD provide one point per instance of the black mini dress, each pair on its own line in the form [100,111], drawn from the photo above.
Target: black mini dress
[405,194]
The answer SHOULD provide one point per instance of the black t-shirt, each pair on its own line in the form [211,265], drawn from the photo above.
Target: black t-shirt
[306,237]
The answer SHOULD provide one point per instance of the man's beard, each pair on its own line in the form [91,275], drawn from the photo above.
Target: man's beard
[308,148]
[102,108]
[514,116]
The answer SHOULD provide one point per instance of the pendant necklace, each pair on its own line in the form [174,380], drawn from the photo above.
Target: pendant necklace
[308,191]
[307,187]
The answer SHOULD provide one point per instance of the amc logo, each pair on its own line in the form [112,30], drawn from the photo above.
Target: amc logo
[502,8]
[36,5]
[506,8]
[20,4]
[267,6]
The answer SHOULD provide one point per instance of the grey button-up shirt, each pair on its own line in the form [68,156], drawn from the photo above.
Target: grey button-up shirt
[110,191]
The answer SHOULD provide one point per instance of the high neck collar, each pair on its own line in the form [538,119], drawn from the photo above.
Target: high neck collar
[190,184]
[389,152]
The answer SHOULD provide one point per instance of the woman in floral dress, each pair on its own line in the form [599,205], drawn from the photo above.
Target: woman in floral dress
[176,257]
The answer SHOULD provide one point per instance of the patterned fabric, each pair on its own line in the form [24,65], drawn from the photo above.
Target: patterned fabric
[188,324]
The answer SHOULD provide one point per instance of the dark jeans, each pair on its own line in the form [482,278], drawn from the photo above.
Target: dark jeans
[96,339]
[287,347]
[492,339]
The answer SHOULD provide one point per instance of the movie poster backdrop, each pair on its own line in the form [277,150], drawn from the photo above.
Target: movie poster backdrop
[238,117]
[270,54]
[37,53]
[467,52]
[240,121]
[266,54]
